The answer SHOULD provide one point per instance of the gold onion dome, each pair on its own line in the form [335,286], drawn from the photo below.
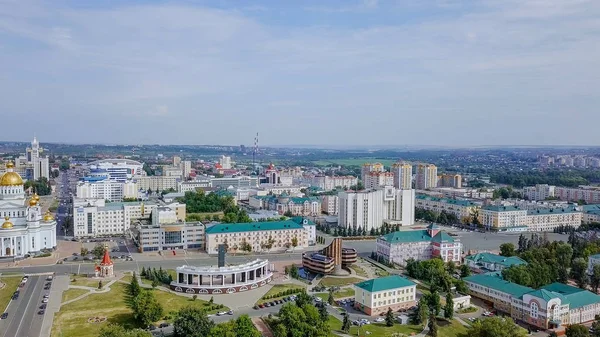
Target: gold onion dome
[10,178]
[7,224]
[32,202]
[48,217]
[36,197]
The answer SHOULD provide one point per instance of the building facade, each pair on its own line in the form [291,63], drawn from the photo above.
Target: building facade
[39,164]
[426,177]
[589,194]
[549,307]
[368,168]
[450,180]
[330,204]
[94,217]
[329,260]
[235,182]
[371,208]
[329,183]
[488,262]
[25,229]
[260,236]
[377,296]
[514,218]
[375,180]
[460,208]
[402,175]
[102,188]
[171,236]
[157,183]
[397,247]
[116,169]
[538,192]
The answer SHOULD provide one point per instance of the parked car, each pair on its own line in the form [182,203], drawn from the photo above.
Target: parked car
[43,306]
[45,300]
[4,315]
[379,319]
[163,325]
[41,312]
[221,313]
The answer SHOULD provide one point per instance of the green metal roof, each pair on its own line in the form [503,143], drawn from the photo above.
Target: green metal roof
[552,211]
[548,295]
[252,227]
[591,208]
[446,200]
[385,283]
[503,208]
[497,283]
[576,297]
[416,236]
[496,259]
[300,219]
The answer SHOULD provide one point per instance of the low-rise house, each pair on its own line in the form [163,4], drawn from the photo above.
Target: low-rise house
[376,296]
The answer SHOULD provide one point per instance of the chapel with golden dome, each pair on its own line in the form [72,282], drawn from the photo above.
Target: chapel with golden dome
[25,229]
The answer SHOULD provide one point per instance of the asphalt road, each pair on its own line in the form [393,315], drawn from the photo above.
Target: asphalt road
[23,318]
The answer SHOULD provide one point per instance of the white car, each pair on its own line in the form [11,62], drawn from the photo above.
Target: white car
[221,313]
[45,300]
[379,319]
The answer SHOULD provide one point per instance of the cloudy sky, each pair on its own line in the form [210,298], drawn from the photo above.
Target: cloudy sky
[428,72]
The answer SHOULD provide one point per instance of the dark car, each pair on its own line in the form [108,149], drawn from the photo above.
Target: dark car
[41,312]
[256,307]
[4,315]
[163,325]
[151,327]
[43,306]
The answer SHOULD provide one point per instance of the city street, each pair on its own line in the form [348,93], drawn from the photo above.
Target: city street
[23,317]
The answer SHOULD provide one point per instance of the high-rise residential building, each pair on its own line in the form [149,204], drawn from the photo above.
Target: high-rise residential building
[39,164]
[225,162]
[93,217]
[327,183]
[371,208]
[450,180]
[186,168]
[157,183]
[538,192]
[368,168]
[426,176]
[402,175]
[102,188]
[176,161]
[375,180]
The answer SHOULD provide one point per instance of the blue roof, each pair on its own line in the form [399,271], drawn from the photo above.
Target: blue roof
[499,284]
[416,236]
[252,226]
[496,259]
[503,208]
[385,283]
[552,211]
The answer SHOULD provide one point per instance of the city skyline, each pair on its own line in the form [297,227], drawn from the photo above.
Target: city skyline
[330,74]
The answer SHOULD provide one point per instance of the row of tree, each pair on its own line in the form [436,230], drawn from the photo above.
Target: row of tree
[200,202]
[41,186]
[440,217]
[301,319]
[437,274]
[156,275]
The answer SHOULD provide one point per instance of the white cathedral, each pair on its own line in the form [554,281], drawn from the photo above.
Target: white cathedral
[25,229]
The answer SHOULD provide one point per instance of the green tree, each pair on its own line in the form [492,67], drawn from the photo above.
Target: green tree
[114,330]
[294,242]
[389,317]
[434,303]
[192,322]
[303,299]
[98,251]
[346,324]
[323,313]
[449,307]
[146,308]
[211,301]
[464,271]
[507,249]
[223,330]
[595,278]
[578,272]
[294,273]
[330,298]
[154,283]
[577,330]
[132,290]
[420,316]
[432,324]
[245,328]
[494,326]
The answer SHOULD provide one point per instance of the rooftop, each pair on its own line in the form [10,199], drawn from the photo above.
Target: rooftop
[416,236]
[446,200]
[496,259]
[552,211]
[502,208]
[385,283]
[499,284]
[253,226]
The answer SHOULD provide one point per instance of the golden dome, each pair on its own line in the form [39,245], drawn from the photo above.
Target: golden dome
[7,224]
[48,217]
[36,197]
[32,202]
[10,178]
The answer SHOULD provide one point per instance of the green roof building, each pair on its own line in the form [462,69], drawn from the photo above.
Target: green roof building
[491,262]
[376,296]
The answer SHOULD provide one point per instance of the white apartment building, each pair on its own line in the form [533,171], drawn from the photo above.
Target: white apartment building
[191,186]
[185,235]
[157,183]
[398,247]
[168,214]
[171,171]
[94,217]
[328,183]
[368,168]
[427,176]
[371,208]
[512,218]
[277,189]
[39,163]
[106,189]
[402,175]
[377,296]
[538,192]
[186,168]
[225,162]
[590,194]
[235,182]
[329,204]
[461,208]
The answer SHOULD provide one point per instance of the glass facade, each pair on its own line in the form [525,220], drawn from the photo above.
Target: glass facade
[172,237]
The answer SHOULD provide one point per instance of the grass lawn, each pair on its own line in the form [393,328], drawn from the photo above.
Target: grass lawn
[377,329]
[359,271]
[423,289]
[85,281]
[338,281]
[450,329]
[9,289]
[70,294]
[381,272]
[71,320]
[277,289]
[342,293]
[172,272]
[202,215]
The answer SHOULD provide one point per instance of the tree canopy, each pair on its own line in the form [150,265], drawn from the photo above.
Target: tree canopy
[494,327]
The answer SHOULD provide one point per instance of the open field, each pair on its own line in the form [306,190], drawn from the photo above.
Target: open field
[70,294]
[11,284]
[378,329]
[353,161]
[338,281]
[342,293]
[84,281]
[71,320]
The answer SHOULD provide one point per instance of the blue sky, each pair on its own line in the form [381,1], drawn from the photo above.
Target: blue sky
[434,72]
